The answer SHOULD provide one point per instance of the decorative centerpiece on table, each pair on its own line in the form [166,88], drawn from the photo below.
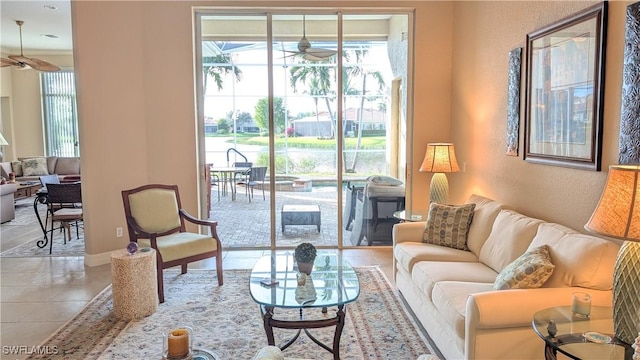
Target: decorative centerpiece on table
[305,254]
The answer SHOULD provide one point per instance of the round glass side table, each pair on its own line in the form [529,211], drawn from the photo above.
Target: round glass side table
[579,338]
[411,215]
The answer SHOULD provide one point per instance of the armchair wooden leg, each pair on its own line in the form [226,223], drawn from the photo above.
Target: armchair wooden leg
[219,268]
[184,268]
[160,285]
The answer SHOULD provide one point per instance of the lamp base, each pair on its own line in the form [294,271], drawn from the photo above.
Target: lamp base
[626,292]
[439,189]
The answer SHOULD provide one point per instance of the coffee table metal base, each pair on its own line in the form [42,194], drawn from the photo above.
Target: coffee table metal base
[305,325]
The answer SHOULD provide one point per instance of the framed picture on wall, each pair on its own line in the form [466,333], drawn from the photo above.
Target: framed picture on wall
[564,91]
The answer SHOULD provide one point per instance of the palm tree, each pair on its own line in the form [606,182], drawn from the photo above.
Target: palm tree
[319,78]
[364,74]
[217,67]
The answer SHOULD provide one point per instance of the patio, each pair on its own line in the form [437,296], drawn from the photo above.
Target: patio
[244,224]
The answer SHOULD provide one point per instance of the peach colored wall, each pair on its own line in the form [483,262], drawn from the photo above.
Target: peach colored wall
[484,33]
[134,68]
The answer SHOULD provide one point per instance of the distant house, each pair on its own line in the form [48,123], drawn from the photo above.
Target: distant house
[210,126]
[320,125]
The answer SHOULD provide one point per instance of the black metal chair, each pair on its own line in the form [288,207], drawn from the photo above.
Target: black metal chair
[64,203]
[256,177]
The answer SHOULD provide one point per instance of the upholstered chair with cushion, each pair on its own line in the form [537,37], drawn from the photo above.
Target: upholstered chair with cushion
[155,219]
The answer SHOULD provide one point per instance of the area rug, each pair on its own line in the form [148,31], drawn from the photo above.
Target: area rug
[73,247]
[25,226]
[226,321]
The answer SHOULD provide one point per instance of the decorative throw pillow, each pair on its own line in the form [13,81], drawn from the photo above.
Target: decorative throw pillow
[531,270]
[35,167]
[448,225]
[16,167]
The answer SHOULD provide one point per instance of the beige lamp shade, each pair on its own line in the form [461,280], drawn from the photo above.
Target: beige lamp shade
[3,141]
[618,215]
[440,158]
[618,212]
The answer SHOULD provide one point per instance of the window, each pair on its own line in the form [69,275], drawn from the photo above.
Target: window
[60,115]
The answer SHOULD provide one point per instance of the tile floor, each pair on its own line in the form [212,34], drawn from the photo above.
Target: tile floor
[38,295]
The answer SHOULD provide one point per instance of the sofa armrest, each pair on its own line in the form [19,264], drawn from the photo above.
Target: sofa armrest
[408,231]
[515,308]
[7,189]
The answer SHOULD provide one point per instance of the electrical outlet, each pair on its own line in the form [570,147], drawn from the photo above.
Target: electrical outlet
[119,232]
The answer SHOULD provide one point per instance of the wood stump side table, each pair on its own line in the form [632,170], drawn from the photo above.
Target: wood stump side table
[134,284]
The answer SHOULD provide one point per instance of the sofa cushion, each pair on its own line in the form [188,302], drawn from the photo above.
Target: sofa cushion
[384,180]
[426,274]
[67,166]
[51,164]
[407,254]
[510,237]
[35,167]
[16,167]
[448,225]
[450,298]
[484,216]
[529,271]
[580,260]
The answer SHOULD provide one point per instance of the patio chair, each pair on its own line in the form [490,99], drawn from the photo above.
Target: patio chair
[256,177]
[212,180]
[64,205]
[243,177]
[155,219]
[375,205]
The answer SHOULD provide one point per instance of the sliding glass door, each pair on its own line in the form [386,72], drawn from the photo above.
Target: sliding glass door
[295,112]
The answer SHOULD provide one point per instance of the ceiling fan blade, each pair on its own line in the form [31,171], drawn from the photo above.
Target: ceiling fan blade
[320,53]
[9,62]
[42,65]
[35,64]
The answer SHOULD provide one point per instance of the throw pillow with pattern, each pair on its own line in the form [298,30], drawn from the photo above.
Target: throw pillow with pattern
[529,271]
[35,167]
[16,167]
[448,225]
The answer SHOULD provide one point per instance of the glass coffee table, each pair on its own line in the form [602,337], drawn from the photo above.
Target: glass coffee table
[579,338]
[332,283]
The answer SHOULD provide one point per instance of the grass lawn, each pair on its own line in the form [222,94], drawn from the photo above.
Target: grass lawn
[368,143]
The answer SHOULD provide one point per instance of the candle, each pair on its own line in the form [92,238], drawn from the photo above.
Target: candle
[178,342]
[581,304]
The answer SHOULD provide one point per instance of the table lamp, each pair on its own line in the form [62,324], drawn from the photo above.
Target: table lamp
[3,142]
[618,216]
[440,158]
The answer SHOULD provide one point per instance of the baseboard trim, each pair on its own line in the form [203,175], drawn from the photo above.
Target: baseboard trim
[97,259]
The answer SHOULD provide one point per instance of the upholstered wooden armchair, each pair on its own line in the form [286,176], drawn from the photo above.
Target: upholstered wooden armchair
[156,219]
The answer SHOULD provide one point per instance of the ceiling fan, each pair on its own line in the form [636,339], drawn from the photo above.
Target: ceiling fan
[24,62]
[307,51]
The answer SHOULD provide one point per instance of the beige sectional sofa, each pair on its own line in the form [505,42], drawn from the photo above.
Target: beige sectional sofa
[452,292]
[67,168]
[7,207]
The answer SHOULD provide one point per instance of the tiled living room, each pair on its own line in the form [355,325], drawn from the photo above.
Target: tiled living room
[137,125]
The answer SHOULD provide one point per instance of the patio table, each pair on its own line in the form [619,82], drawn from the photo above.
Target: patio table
[228,174]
